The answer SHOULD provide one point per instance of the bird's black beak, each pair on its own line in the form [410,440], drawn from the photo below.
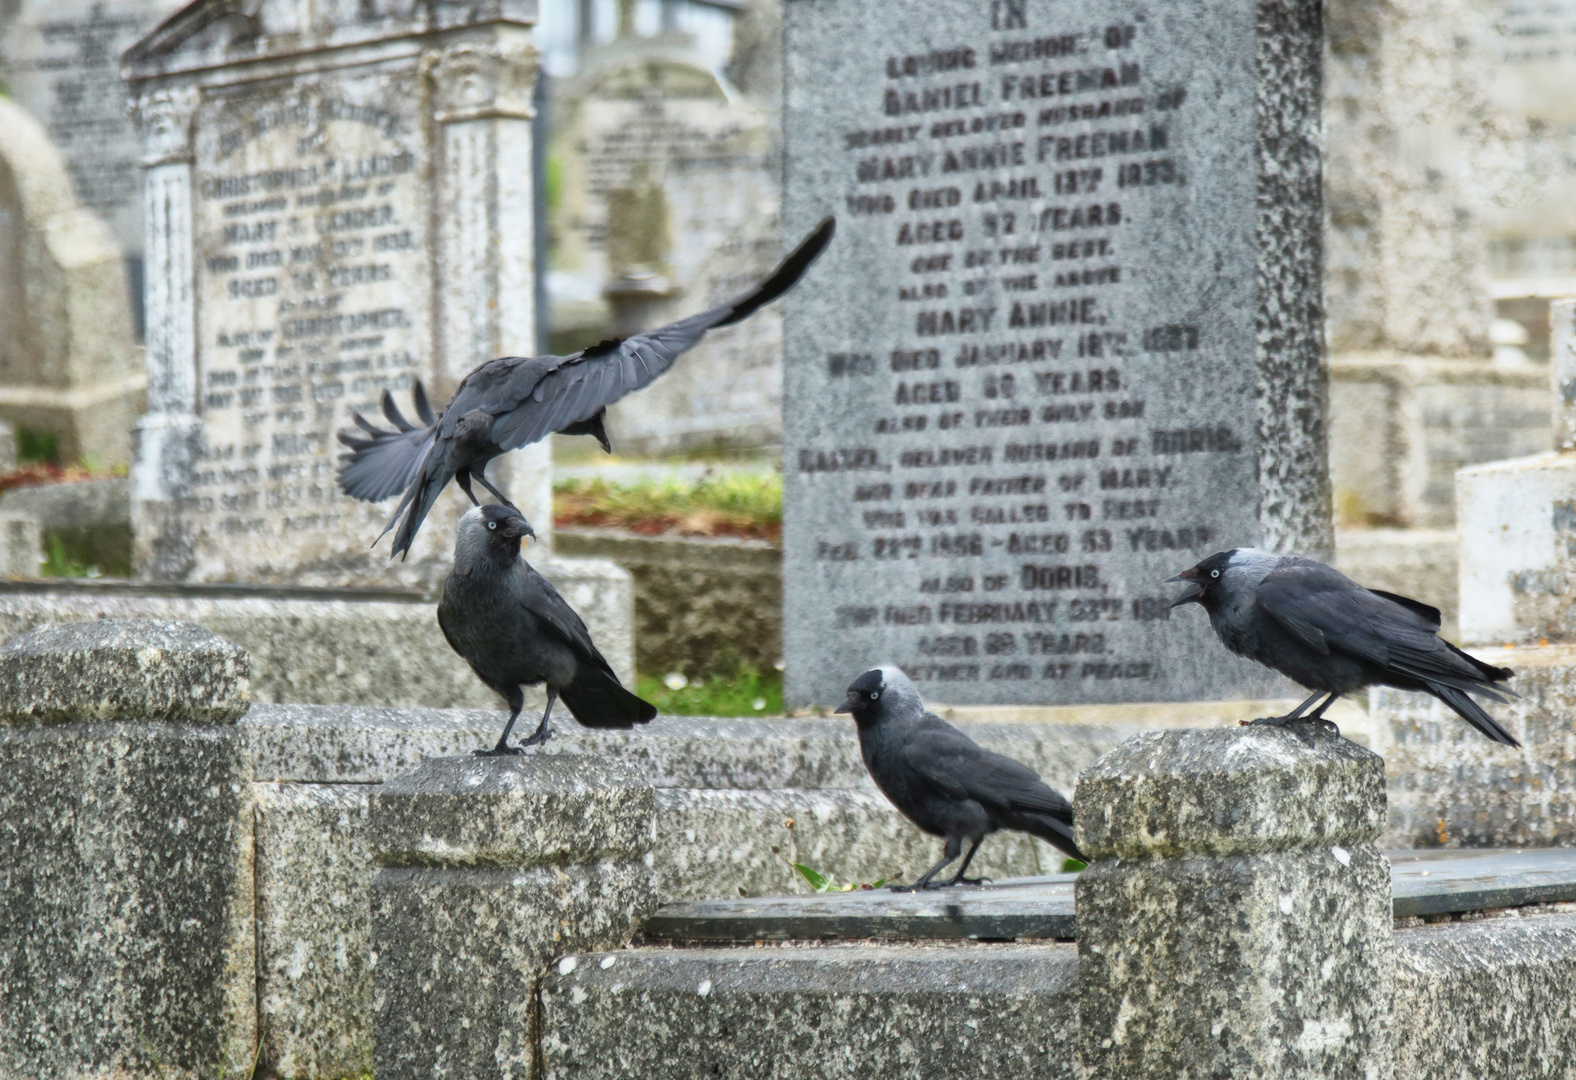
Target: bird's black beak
[1194,591]
[851,703]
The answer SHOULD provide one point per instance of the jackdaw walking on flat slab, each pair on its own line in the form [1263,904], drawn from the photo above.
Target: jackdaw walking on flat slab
[515,400]
[514,630]
[945,782]
[1320,628]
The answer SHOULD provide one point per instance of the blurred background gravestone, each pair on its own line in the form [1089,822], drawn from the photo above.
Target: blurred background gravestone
[71,378]
[666,202]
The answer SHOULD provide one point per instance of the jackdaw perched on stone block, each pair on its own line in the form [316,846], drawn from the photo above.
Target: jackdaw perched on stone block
[514,630]
[945,782]
[513,401]
[1320,628]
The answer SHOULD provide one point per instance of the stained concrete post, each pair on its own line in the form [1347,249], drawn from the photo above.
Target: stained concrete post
[1562,366]
[489,869]
[1236,921]
[126,928]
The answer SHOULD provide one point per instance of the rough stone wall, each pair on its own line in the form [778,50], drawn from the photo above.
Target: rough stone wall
[701,606]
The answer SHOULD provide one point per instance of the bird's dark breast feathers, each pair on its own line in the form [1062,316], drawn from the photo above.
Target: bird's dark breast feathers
[490,630]
[1269,644]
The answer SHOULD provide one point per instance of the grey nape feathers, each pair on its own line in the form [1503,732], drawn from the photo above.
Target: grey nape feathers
[1320,628]
[945,782]
[514,630]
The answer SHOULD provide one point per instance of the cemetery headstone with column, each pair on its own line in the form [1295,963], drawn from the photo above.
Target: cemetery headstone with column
[343,211]
[1068,339]
[335,207]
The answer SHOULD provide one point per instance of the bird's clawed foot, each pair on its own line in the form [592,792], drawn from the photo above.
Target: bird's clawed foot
[969,881]
[926,887]
[538,738]
[503,749]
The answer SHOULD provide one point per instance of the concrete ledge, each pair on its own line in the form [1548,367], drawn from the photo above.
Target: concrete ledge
[333,646]
[1493,1000]
[812,1011]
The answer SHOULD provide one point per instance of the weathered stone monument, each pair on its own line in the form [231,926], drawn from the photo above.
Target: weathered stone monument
[669,204]
[1067,340]
[335,207]
[348,224]
[69,366]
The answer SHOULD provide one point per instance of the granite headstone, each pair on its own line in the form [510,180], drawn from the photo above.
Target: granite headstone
[1067,341]
[342,210]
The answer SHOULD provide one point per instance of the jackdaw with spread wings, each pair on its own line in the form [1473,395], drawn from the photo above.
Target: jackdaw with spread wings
[1320,628]
[514,630]
[515,400]
[945,782]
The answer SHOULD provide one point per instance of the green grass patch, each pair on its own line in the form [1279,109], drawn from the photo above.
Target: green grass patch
[37,447]
[744,504]
[745,692]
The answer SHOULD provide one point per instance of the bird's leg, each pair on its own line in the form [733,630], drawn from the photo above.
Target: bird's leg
[543,732]
[958,878]
[481,479]
[1295,717]
[516,703]
[948,853]
[463,478]
[1281,721]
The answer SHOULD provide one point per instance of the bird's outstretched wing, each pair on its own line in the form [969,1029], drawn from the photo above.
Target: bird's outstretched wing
[960,768]
[382,463]
[1317,603]
[582,385]
[528,398]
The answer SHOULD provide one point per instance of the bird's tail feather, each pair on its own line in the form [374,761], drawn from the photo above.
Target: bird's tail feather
[416,504]
[1472,713]
[1053,830]
[1489,671]
[599,701]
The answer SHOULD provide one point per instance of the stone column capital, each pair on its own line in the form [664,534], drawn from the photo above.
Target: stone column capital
[477,81]
[164,119]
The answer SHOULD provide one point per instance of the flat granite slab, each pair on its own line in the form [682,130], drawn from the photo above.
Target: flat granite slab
[1423,883]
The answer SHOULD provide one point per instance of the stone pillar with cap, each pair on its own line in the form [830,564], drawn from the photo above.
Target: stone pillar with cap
[489,868]
[126,931]
[1236,920]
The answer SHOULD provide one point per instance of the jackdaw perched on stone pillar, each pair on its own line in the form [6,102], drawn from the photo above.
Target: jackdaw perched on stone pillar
[1320,628]
[515,400]
[514,630]
[945,782]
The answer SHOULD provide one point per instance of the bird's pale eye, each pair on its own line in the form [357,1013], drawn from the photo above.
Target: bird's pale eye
[874,694]
[1214,573]
[492,524]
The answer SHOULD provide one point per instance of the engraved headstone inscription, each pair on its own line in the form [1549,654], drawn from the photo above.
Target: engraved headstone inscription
[1068,339]
[345,210]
